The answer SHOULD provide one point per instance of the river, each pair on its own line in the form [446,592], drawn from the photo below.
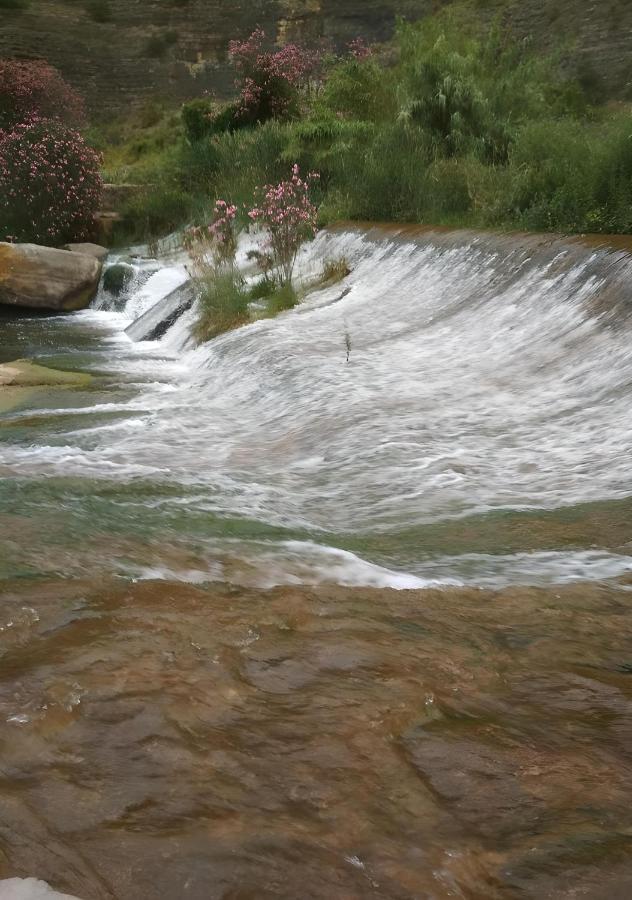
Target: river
[336,605]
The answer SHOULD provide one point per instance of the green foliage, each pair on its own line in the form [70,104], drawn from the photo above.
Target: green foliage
[197,117]
[222,305]
[247,158]
[281,299]
[470,94]
[359,89]
[261,289]
[14,4]
[202,117]
[158,210]
[452,125]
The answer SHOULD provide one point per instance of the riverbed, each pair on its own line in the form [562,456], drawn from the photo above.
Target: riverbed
[336,605]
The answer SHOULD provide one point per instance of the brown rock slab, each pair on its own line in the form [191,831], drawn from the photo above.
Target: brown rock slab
[88,249]
[24,373]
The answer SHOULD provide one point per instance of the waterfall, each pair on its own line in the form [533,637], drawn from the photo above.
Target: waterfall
[378,432]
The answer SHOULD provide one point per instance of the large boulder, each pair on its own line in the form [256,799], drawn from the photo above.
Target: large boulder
[42,278]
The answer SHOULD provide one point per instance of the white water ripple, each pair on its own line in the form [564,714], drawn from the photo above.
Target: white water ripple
[477,380]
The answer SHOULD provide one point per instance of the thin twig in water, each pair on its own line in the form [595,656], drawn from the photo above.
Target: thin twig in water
[347,343]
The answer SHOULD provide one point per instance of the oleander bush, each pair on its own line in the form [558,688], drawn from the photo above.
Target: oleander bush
[31,88]
[50,184]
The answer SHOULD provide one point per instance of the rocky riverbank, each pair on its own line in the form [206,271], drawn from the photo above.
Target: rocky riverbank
[323,742]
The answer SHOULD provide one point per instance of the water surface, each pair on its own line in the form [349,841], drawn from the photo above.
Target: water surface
[172,727]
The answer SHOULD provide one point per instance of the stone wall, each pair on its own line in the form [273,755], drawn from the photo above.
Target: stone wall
[113,65]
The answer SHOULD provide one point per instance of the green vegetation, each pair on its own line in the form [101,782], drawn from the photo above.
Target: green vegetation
[14,4]
[225,301]
[448,125]
[223,304]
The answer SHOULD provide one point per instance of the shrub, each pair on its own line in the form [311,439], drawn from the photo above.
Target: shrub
[444,97]
[223,298]
[213,246]
[269,82]
[289,218]
[263,288]
[157,210]
[554,178]
[34,88]
[197,118]
[359,88]
[50,186]
[246,158]
[470,93]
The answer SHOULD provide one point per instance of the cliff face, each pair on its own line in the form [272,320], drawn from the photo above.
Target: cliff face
[122,52]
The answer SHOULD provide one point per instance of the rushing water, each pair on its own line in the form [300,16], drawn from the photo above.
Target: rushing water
[483,412]
[454,415]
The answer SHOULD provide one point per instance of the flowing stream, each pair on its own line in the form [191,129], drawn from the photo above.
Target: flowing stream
[453,418]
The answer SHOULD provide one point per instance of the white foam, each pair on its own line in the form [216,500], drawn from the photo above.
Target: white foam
[474,384]
[266,565]
[157,286]
[29,889]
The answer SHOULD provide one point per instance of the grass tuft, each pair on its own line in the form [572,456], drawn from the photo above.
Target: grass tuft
[223,305]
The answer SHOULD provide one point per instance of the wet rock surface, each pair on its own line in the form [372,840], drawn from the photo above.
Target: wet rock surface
[316,743]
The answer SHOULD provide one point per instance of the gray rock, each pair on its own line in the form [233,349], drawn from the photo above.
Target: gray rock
[158,320]
[43,278]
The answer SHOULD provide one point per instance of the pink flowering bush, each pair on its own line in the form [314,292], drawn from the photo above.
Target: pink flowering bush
[270,82]
[288,216]
[214,246]
[50,186]
[31,88]
[221,292]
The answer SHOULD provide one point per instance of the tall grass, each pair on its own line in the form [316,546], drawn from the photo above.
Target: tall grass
[222,305]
